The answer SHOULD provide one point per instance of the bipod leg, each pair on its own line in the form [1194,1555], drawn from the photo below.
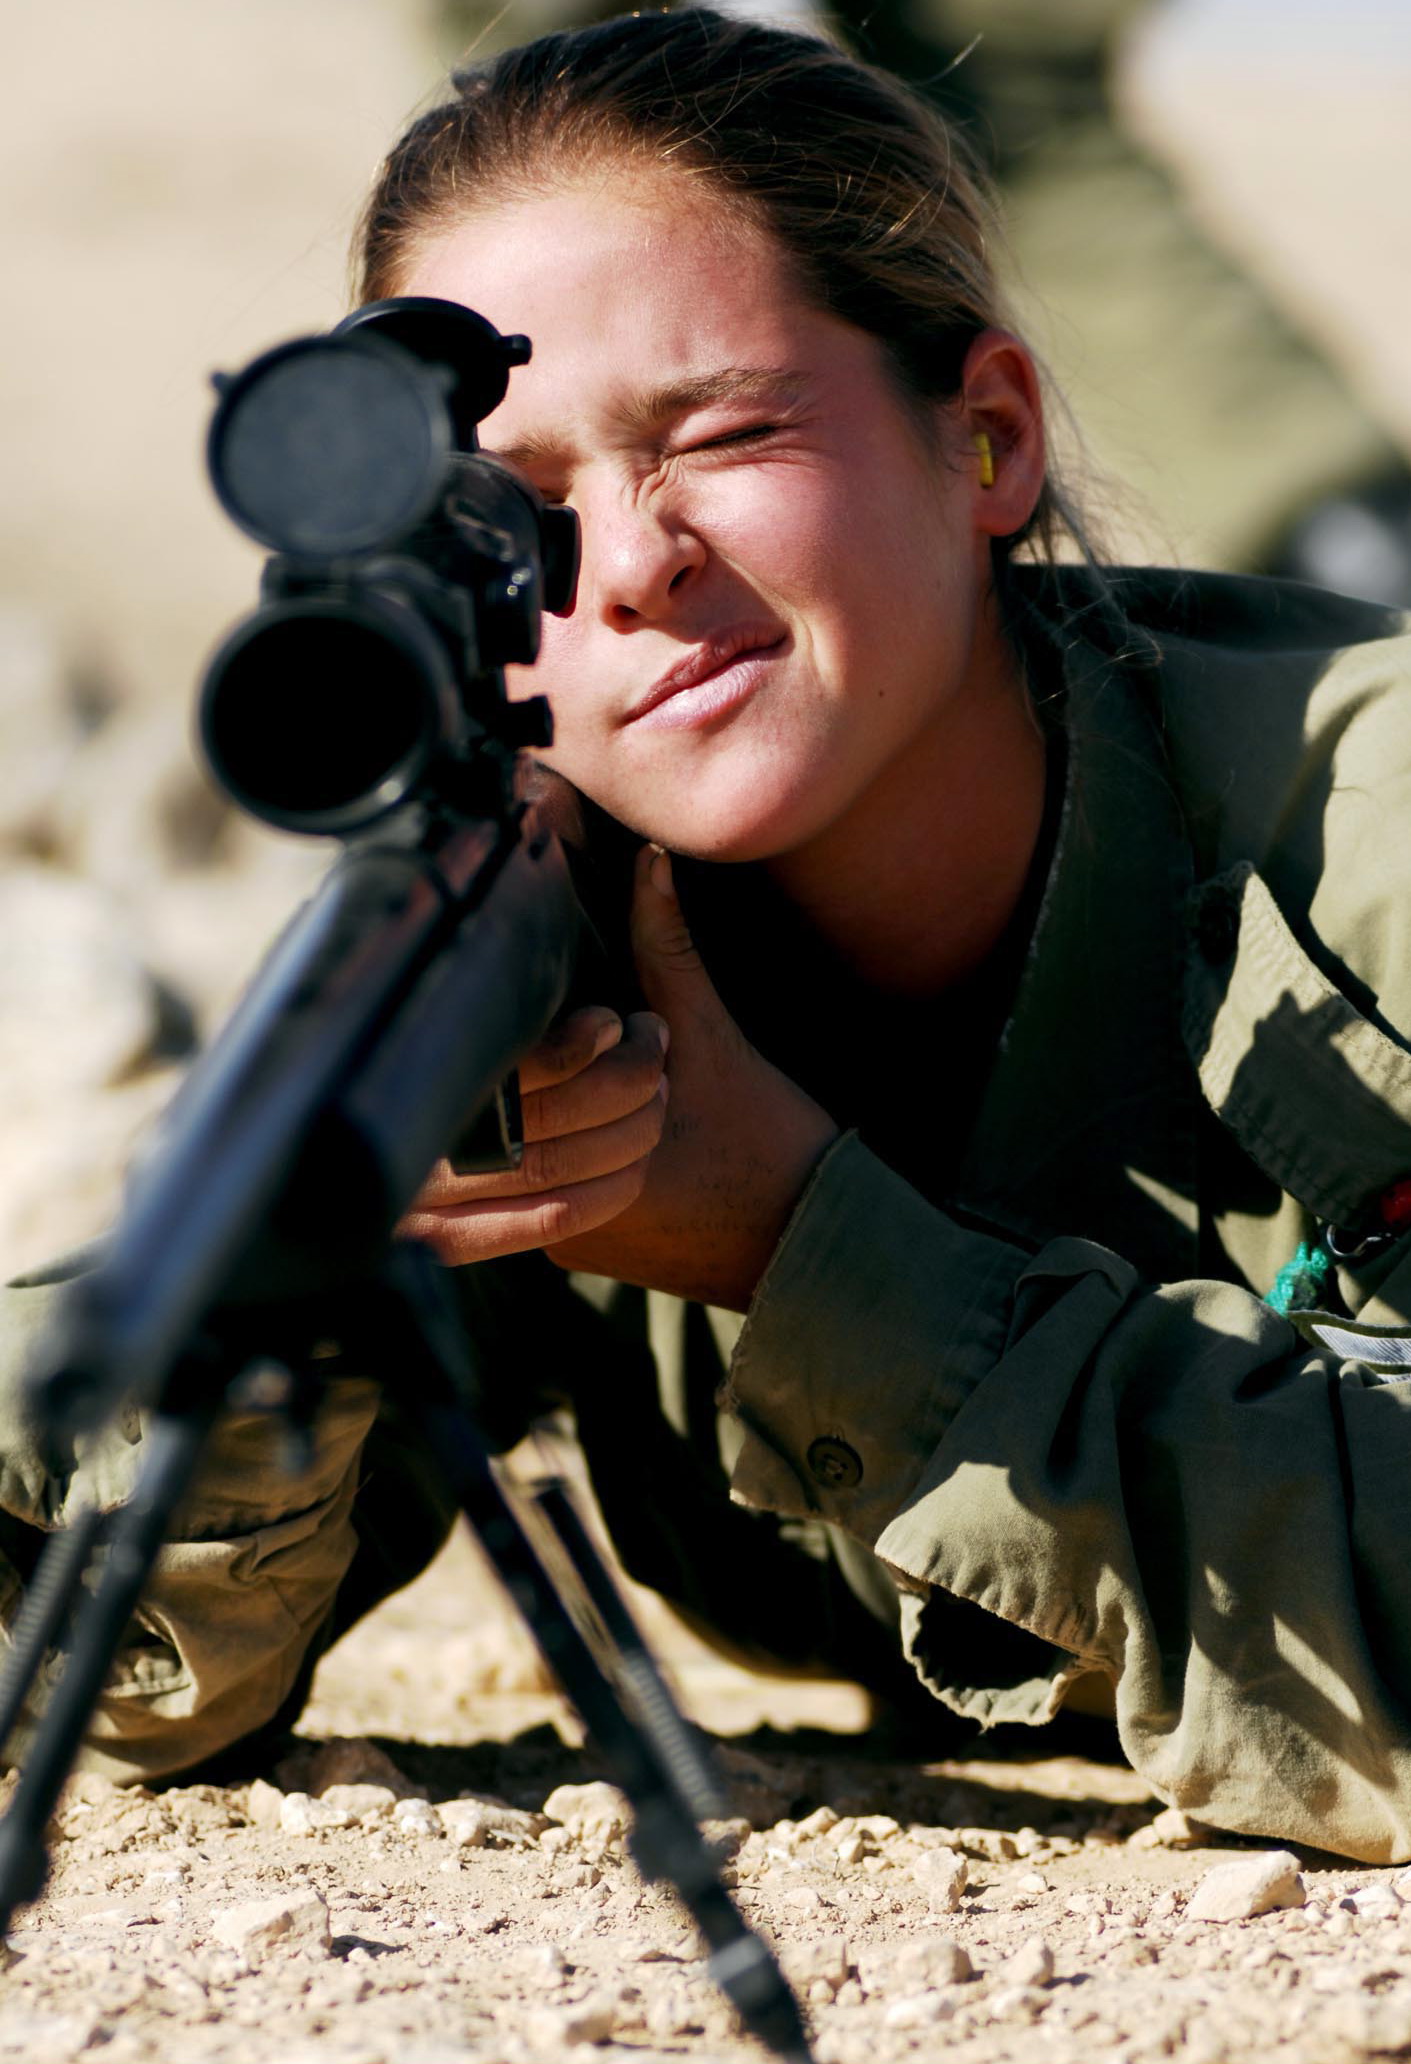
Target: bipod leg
[666,1843]
[171,1449]
[48,1601]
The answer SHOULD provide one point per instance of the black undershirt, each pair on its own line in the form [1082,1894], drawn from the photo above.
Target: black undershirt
[907,1073]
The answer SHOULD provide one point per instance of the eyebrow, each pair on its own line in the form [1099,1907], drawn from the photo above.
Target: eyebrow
[647,412]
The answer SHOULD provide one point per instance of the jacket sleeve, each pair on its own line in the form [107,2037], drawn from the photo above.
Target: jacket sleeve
[1161,1483]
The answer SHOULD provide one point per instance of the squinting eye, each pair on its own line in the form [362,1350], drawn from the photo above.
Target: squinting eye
[752,434]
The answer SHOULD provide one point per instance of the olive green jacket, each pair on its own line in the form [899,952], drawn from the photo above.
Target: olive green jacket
[1059,1396]
[1050,1399]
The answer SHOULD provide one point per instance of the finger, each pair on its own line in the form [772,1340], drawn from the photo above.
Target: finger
[622,1079]
[570,1046]
[515,1225]
[672,974]
[553,1163]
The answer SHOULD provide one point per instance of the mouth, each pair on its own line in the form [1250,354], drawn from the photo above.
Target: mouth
[711,678]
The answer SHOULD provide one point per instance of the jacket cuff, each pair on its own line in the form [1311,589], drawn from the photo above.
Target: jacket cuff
[876,1318]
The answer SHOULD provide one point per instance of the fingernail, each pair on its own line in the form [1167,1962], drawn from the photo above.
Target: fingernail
[660,872]
[608,1035]
[664,1035]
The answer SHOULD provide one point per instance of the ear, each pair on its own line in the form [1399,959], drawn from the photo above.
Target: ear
[1000,399]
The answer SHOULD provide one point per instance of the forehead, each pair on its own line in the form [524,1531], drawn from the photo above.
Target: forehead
[622,284]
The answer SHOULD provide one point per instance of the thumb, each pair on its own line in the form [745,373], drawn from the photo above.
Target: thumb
[671,971]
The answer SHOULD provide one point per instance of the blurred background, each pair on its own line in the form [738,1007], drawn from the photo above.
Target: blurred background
[1209,232]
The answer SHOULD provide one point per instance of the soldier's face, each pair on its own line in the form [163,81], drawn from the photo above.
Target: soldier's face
[783,581]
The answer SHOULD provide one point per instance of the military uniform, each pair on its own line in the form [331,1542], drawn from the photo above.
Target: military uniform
[1024,1396]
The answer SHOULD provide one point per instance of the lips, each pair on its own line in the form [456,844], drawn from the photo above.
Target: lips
[712,656]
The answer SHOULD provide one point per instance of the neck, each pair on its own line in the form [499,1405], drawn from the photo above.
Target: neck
[914,887]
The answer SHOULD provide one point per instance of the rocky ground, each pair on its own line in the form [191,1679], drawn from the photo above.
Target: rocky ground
[458,1889]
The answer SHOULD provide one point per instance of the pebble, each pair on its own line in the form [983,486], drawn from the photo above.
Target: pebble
[549,1964]
[921,2010]
[596,1814]
[1376,1901]
[591,2021]
[991,1845]
[936,1959]
[878,1827]
[260,1927]
[417,1817]
[817,1823]
[1172,1830]
[299,1814]
[826,1962]
[943,1875]
[263,1804]
[363,1803]
[1018,2002]
[480,1821]
[1252,1885]
[1031,1964]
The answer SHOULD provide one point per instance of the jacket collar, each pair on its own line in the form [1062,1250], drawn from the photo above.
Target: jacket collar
[1087,1124]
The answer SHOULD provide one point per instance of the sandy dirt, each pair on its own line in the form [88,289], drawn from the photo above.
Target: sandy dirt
[341,1910]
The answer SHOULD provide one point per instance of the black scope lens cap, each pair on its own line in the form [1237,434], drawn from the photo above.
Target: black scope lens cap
[330,445]
[443,333]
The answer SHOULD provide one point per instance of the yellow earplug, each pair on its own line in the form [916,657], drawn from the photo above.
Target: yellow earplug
[987,459]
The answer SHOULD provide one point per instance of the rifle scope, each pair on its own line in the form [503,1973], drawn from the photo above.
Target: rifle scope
[409,569]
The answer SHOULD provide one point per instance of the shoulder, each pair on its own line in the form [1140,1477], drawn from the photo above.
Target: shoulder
[1284,719]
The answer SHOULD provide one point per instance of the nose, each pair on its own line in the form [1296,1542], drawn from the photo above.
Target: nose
[638,559]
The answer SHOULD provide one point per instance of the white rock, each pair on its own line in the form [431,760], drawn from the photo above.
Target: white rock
[1018,2002]
[936,1959]
[263,1927]
[826,1962]
[878,1827]
[417,1817]
[1031,1964]
[591,2021]
[1376,1901]
[817,1823]
[920,2010]
[265,1804]
[1252,1885]
[482,1820]
[992,1845]
[942,1875]
[1174,1829]
[363,1803]
[852,1849]
[596,1814]
[301,1815]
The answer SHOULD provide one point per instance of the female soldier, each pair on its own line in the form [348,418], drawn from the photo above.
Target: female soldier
[1046,992]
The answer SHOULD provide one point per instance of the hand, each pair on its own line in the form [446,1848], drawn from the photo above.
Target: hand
[740,1140]
[593,1094]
